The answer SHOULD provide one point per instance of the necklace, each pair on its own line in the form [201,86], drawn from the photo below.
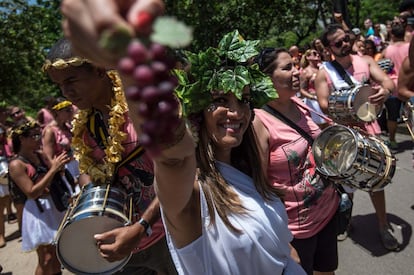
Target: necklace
[102,172]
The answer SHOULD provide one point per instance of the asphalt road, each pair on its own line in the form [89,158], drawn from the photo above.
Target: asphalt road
[362,253]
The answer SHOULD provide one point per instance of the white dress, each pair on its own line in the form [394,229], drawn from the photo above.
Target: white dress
[39,228]
[262,247]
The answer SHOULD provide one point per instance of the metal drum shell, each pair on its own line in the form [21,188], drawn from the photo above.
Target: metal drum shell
[346,156]
[353,105]
[75,245]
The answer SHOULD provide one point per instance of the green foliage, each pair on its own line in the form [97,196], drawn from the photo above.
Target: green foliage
[26,32]
[225,68]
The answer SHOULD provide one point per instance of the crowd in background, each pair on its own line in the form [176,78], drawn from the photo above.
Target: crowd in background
[387,43]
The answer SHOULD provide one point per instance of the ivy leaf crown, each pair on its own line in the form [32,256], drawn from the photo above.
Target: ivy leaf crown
[227,68]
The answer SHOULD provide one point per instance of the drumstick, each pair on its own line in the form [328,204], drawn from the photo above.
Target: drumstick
[405,119]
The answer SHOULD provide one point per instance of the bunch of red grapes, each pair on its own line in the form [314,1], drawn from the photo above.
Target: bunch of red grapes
[153,89]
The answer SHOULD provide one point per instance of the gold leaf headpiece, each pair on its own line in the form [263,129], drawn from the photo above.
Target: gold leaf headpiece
[64,63]
[24,128]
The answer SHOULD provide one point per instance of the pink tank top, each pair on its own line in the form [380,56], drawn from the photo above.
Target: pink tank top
[310,205]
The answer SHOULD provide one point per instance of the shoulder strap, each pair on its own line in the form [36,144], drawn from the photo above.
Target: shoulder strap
[97,129]
[341,71]
[306,107]
[283,118]
[134,154]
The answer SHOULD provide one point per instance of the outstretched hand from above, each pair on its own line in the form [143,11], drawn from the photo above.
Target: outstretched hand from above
[85,22]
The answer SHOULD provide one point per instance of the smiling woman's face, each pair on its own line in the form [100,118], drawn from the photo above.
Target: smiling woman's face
[227,118]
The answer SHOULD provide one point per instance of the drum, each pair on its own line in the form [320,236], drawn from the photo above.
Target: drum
[4,171]
[353,105]
[97,209]
[345,155]
[408,115]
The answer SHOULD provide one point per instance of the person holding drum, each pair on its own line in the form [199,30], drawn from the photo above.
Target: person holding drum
[311,203]
[356,70]
[109,153]
[32,172]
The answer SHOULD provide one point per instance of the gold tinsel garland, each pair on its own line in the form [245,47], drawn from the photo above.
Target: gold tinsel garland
[102,172]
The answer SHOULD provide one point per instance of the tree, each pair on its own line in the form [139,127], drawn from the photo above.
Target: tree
[26,32]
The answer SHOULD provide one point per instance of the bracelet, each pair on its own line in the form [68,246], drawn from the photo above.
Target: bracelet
[147,226]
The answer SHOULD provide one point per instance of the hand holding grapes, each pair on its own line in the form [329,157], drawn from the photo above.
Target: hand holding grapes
[86,20]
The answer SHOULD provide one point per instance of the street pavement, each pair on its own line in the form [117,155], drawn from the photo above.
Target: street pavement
[361,253]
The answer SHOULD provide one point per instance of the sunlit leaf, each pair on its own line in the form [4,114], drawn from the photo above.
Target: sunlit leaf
[170,32]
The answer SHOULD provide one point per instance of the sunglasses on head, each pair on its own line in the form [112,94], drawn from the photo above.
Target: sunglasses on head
[339,43]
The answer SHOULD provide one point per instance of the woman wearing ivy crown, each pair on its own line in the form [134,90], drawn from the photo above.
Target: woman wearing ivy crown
[220,214]
[223,217]
[103,136]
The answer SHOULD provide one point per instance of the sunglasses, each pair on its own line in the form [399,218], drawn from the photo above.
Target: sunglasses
[16,113]
[339,43]
[313,54]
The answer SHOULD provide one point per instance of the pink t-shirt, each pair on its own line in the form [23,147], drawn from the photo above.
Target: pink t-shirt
[46,117]
[136,179]
[397,53]
[310,205]
[62,139]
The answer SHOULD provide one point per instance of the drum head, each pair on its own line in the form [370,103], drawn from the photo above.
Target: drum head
[77,249]
[364,110]
[335,150]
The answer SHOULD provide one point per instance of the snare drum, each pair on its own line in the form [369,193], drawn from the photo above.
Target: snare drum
[345,155]
[353,105]
[97,209]
[4,170]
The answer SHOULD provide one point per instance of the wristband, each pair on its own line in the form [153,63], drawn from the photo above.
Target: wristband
[147,226]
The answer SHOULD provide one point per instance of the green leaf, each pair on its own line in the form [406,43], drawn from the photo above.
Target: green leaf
[168,31]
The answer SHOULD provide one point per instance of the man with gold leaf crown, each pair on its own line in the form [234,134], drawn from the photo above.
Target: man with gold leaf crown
[108,150]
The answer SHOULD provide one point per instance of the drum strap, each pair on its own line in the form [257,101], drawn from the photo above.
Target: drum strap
[341,71]
[283,118]
[134,154]
[97,129]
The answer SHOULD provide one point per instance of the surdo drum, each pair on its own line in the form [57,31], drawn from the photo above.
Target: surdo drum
[353,105]
[97,209]
[346,156]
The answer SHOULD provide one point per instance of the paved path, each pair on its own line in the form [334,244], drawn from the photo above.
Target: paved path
[362,253]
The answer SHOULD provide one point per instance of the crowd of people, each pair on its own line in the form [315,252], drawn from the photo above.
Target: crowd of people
[237,184]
